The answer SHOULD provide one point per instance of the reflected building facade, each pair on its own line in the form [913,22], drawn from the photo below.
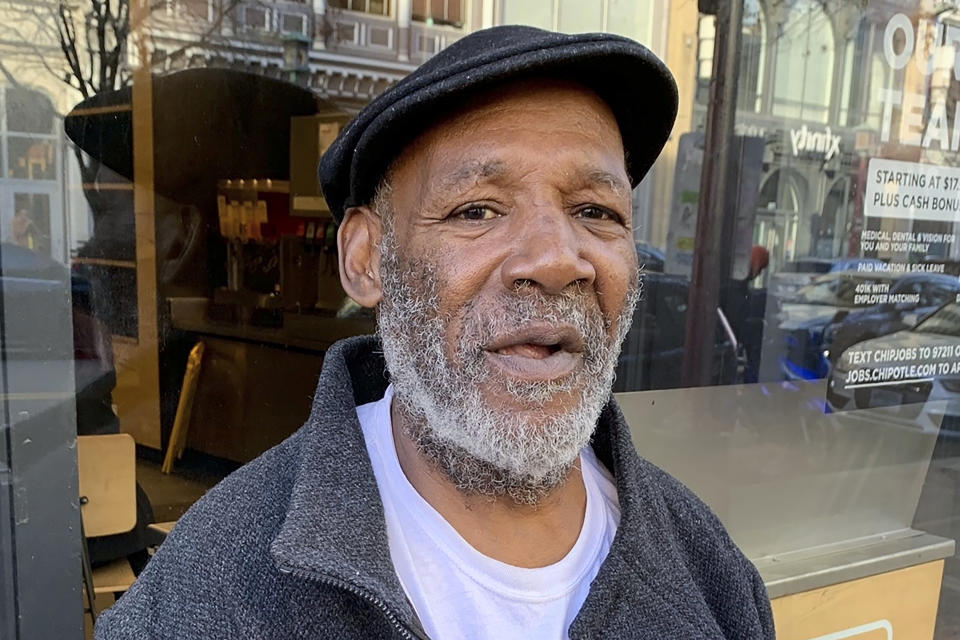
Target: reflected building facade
[814,88]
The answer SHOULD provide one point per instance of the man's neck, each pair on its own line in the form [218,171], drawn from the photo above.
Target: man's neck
[519,535]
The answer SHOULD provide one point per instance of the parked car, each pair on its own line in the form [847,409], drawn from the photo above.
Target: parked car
[803,322]
[787,282]
[857,385]
[35,305]
[650,258]
[652,354]
[915,296]
[51,327]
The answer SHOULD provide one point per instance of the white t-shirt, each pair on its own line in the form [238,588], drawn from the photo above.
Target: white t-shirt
[457,591]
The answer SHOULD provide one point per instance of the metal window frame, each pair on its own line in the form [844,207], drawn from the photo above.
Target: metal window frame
[40,578]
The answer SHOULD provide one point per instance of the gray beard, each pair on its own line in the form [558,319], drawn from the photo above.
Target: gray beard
[489,450]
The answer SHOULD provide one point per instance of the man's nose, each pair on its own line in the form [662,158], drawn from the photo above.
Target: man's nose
[547,252]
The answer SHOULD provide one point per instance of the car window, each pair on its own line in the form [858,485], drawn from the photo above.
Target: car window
[945,322]
[933,295]
[835,291]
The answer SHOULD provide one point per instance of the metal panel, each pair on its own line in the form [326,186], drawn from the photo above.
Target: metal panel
[783,475]
[804,571]
[8,603]
[40,536]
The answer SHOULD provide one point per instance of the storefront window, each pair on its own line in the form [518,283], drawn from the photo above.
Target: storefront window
[32,183]
[31,158]
[171,279]
[378,7]
[439,11]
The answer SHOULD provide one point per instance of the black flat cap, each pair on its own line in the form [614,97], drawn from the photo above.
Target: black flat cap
[635,83]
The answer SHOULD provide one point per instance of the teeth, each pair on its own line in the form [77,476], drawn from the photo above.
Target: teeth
[528,350]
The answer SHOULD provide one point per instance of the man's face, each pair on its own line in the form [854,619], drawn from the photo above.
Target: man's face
[509,278]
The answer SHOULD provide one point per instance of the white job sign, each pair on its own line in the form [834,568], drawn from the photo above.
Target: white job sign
[897,189]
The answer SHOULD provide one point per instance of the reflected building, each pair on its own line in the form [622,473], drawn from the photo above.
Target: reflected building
[811,73]
[345,51]
[41,205]
[812,88]
[32,178]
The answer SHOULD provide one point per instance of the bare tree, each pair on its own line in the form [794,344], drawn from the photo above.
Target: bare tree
[86,44]
[99,33]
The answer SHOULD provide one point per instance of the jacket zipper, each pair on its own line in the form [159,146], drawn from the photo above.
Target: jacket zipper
[405,632]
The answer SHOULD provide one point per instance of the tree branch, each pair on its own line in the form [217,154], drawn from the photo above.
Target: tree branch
[225,8]
[68,44]
[103,17]
[9,76]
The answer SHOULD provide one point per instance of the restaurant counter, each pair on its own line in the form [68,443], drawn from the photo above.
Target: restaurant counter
[256,383]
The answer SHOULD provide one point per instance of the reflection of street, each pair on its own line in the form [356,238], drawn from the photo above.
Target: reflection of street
[811,329]
[904,370]
[653,350]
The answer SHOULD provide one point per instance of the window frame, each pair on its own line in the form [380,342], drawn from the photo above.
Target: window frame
[429,18]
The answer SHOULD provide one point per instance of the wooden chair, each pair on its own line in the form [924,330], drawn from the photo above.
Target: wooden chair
[158,532]
[108,505]
[181,422]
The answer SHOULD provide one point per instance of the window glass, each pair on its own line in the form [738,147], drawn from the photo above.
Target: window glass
[805,58]
[752,56]
[449,12]
[31,158]
[255,18]
[292,23]
[171,275]
[945,322]
[193,10]
[28,111]
[879,78]
[706,34]
[378,7]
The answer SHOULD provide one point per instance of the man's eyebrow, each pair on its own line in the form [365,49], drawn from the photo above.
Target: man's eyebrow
[608,179]
[472,173]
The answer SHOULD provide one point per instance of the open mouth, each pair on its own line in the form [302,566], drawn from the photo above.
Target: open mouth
[538,352]
[529,350]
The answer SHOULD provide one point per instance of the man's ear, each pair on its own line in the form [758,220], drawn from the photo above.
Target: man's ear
[358,245]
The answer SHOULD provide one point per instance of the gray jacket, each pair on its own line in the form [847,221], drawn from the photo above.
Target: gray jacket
[294,545]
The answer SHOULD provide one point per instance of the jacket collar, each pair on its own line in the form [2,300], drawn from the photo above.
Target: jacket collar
[335,528]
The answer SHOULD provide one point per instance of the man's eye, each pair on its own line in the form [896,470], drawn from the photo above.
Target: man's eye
[596,213]
[476,213]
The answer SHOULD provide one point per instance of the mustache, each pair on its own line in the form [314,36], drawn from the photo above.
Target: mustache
[568,313]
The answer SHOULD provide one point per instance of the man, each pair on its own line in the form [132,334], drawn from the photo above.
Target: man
[445,485]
